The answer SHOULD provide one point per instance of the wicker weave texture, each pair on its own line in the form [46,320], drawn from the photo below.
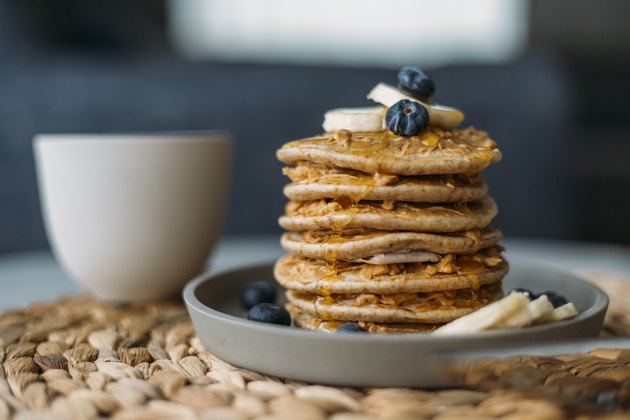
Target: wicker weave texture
[80,358]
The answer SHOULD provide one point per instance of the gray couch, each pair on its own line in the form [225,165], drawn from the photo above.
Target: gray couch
[524,105]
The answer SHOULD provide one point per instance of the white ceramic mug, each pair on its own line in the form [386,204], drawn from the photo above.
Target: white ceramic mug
[133,216]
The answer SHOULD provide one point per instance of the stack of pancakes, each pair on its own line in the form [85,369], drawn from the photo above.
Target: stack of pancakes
[389,232]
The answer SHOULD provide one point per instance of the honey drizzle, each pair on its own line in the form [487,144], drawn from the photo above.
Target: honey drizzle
[368,146]
[349,212]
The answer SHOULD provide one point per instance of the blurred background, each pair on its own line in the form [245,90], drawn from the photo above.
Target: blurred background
[550,81]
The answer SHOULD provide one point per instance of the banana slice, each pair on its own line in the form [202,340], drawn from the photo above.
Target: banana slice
[563,312]
[401,257]
[486,317]
[355,119]
[440,115]
[534,310]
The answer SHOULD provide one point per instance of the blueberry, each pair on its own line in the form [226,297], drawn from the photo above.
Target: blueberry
[528,293]
[350,327]
[406,118]
[413,81]
[257,292]
[556,299]
[269,313]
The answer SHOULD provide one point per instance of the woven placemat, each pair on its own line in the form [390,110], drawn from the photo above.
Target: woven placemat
[79,358]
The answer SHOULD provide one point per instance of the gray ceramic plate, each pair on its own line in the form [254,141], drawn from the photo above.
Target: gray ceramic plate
[374,360]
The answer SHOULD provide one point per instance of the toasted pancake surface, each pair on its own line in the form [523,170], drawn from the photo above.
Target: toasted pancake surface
[451,272]
[313,182]
[311,322]
[427,307]
[359,244]
[434,151]
[341,214]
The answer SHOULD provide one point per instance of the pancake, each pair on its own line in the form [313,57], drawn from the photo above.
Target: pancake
[387,231]
[434,151]
[314,182]
[355,245]
[451,272]
[431,307]
[341,214]
[307,321]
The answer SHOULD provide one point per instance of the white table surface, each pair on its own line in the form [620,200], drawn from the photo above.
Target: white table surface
[35,276]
